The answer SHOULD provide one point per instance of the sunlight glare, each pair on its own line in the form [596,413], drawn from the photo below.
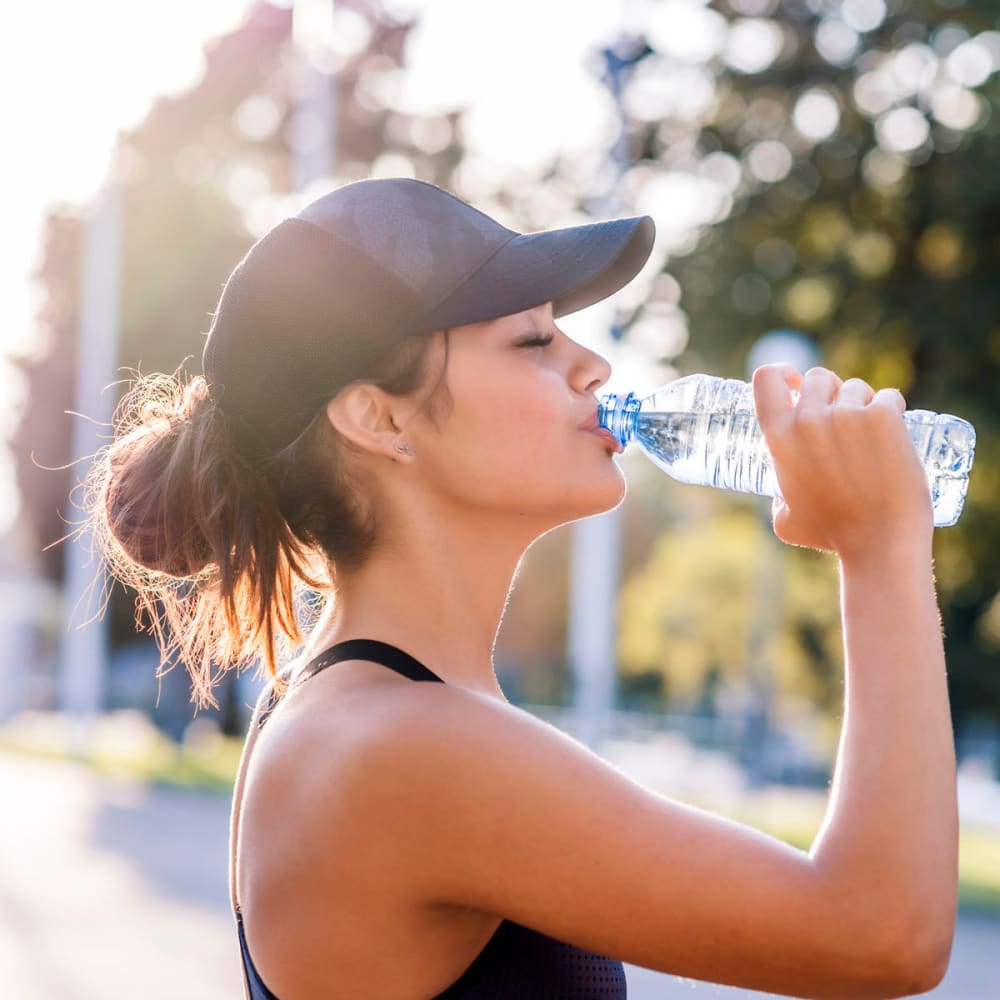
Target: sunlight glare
[816,114]
[687,30]
[902,130]
[836,41]
[528,99]
[753,44]
[104,64]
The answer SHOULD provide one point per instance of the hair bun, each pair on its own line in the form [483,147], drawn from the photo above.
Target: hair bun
[149,525]
[162,476]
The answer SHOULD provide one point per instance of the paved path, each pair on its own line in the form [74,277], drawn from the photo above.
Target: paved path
[111,890]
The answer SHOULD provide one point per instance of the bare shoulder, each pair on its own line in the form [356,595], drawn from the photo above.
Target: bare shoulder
[461,800]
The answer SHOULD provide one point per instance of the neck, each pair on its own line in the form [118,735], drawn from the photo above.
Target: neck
[438,592]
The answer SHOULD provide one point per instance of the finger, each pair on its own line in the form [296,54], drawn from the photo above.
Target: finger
[819,389]
[772,390]
[791,375]
[890,397]
[855,392]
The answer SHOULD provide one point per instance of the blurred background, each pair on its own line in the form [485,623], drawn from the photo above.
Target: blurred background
[827,170]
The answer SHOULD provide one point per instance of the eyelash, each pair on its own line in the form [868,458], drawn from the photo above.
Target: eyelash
[537,341]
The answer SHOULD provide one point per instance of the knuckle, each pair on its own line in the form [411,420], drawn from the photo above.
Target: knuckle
[847,419]
[810,421]
[885,417]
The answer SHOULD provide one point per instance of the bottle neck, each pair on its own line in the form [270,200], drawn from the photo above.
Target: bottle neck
[618,414]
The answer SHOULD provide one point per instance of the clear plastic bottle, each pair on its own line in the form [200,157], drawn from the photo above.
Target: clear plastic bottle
[703,430]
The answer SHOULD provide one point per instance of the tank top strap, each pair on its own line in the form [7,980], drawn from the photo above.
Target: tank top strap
[356,649]
[375,652]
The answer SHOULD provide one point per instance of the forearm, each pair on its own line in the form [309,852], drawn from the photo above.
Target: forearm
[890,837]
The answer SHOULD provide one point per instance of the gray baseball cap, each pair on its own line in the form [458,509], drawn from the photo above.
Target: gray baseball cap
[325,293]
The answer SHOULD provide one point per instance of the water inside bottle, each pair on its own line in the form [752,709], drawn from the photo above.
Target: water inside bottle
[947,446]
[704,431]
[722,450]
[725,450]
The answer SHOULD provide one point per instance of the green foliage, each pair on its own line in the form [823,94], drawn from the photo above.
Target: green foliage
[853,179]
[817,209]
[720,599]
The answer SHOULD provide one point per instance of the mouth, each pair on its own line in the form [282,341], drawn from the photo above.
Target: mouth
[593,425]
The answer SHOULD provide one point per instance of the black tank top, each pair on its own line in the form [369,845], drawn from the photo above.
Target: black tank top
[517,963]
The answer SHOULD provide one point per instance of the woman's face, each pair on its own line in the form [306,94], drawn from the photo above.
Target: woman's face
[519,436]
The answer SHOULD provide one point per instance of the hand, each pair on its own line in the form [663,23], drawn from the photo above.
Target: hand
[850,478]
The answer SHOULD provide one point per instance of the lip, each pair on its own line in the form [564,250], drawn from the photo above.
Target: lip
[593,425]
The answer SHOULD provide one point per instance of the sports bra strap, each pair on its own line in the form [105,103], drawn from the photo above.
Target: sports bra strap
[376,652]
[357,649]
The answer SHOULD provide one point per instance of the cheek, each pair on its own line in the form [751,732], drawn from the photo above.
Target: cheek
[526,451]
[516,430]
[511,440]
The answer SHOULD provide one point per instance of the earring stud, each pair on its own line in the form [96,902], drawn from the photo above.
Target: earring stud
[403,448]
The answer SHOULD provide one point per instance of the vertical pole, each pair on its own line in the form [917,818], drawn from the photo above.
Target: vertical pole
[794,348]
[593,596]
[596,541]
[84,647]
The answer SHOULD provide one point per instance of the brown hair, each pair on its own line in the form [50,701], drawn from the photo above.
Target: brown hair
[225,551]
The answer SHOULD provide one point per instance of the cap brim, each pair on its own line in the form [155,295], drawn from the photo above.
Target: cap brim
[572,268]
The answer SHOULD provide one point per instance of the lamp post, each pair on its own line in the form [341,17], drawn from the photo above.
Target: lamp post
[83,655]
[794,348]
[596,541]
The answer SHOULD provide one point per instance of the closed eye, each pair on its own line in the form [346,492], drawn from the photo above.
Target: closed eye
[537,340]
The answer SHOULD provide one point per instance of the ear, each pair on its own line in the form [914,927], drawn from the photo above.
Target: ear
[367,417]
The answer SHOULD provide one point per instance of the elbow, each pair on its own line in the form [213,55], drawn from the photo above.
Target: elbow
[927,968]
[897,933]
[915,960]
[895,951]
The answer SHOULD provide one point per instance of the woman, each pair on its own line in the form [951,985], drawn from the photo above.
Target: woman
[390,414]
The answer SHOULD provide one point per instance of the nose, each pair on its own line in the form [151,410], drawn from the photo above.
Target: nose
[590,370]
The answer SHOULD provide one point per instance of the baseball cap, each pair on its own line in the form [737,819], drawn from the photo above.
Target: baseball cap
[326,292]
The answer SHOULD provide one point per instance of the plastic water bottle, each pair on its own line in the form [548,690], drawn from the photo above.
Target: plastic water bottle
[703,430]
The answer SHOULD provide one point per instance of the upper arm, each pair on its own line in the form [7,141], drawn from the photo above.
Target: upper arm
[482,805]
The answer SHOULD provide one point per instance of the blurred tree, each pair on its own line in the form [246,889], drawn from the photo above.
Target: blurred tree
[532,639]
[686,613]
[43,434]
[827,164]
[834,166]
[205,174]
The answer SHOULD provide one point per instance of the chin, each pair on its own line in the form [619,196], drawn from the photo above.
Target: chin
[612,502]
[599,501]
[616,489]
[578,498]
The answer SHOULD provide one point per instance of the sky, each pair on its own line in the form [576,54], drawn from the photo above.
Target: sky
[71,76]
[75,74]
